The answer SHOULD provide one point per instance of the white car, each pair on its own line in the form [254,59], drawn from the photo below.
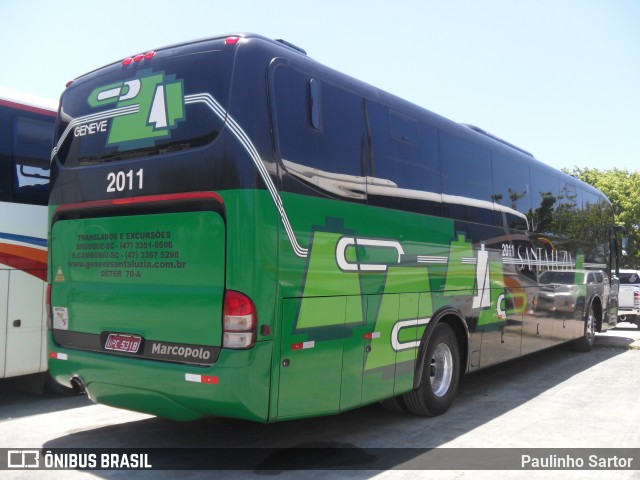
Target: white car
[629,297]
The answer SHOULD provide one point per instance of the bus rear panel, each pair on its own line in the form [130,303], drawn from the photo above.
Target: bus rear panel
[144,313]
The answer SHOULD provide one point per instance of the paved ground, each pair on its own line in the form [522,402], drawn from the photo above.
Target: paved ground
[627,335]
[552,399]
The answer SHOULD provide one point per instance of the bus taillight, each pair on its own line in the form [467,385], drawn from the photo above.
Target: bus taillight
[239,321]
[138,58]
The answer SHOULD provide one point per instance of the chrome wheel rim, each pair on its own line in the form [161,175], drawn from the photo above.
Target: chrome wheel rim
[441,370]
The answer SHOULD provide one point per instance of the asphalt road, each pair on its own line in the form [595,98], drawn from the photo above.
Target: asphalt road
[557,399]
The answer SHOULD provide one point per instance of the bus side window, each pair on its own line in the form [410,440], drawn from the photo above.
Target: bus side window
[297,142]
[343,141]
[404,128]
[511,188]
[594,213]
[568,210]
[405,152]
[466,168]
[5,154]
[466,174]
[31,149]
[544,200]
[319,132]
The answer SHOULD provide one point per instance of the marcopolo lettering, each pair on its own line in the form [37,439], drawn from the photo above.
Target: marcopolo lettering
[180,352]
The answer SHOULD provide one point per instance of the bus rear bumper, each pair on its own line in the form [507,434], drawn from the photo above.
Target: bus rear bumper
[236,386]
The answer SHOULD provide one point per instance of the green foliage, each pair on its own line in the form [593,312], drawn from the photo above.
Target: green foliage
[623,189]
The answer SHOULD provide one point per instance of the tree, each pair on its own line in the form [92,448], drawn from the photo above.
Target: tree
[623,189]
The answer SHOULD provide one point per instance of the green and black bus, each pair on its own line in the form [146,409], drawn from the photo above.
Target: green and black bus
[237,230]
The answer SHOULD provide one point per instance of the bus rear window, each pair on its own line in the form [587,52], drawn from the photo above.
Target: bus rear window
[163,105]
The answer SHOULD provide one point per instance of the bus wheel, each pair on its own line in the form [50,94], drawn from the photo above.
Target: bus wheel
[440,375]
[394,404]
[585,343]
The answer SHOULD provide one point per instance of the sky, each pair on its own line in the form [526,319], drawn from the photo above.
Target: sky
[558,78]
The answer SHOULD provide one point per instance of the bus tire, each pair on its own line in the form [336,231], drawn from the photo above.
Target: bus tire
[585,343]
[394,404]
[440,375]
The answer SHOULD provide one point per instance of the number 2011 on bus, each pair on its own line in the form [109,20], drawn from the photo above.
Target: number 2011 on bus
[121,181]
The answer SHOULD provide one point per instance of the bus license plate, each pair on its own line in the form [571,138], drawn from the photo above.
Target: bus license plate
[123,343]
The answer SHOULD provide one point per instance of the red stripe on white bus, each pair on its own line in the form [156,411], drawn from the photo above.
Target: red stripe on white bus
[27,108]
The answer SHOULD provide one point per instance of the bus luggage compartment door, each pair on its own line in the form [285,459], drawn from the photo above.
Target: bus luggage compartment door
[25,325]
[157,278]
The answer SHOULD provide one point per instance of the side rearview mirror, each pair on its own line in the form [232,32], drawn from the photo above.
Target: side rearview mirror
[625,246]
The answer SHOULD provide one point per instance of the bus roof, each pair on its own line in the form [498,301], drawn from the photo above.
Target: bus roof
[479,135]
[25,101]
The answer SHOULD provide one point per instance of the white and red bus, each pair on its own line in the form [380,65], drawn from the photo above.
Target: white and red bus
[26,130]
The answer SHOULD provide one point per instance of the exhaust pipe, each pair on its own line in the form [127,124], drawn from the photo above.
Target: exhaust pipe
[77,385]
